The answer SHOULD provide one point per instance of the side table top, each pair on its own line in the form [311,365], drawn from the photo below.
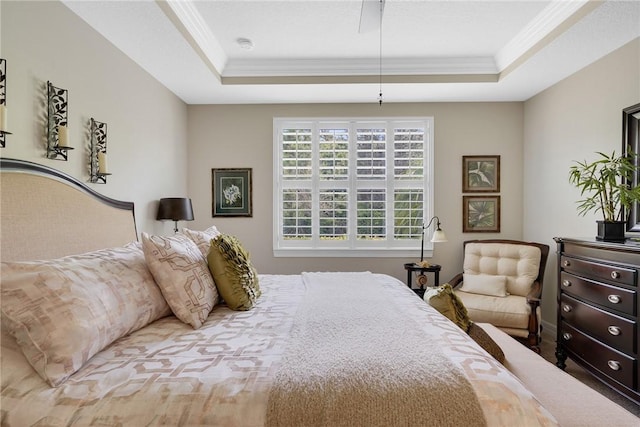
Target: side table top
[415,266]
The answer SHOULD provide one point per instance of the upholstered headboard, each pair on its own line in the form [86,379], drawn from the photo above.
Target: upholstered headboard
[45,213]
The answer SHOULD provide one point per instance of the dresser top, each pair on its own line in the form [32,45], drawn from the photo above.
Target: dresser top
[630,245]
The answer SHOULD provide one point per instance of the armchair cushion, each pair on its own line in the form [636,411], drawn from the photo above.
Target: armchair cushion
[506,312]
[518,263]
[485,284]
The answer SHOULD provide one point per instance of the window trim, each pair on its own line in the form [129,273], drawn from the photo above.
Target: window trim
[401,250]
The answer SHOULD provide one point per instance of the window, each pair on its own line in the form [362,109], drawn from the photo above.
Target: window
[352,187]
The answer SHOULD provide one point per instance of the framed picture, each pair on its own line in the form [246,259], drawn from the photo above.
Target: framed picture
[481,214]
[231,190]
[480,174]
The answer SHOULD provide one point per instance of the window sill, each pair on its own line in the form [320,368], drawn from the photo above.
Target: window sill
[350,253]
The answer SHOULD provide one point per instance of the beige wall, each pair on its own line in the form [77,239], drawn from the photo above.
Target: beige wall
[241,136]
[146,123]
[571,121]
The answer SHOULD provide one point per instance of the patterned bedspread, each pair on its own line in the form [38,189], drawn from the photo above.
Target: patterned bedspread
[221,374]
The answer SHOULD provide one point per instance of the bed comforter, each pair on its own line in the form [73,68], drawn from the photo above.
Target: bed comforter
[317,349]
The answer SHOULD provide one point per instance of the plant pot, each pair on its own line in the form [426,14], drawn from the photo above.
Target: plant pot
[611,231]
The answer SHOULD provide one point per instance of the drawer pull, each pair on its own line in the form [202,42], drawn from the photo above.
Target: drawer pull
[614,365]
[615,275]
[566,308]
[567,336]
[566,283]
[614,330]
[566,263]
[614,299]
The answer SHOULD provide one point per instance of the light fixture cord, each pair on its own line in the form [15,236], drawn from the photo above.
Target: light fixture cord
[380,58]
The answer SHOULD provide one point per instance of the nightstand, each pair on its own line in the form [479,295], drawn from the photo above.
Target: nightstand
[413,267]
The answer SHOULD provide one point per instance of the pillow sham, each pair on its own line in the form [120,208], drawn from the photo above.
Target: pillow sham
[235,277]
[485,284]
[64,311]
[443,299]
[182,274]
[202,239]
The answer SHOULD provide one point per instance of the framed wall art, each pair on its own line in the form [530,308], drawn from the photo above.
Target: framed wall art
[480,174]
[231,190]
[481,214]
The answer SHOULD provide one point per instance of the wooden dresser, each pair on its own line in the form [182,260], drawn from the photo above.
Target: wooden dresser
[598,308]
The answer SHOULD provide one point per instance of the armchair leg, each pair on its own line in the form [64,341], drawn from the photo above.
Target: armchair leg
[533,341]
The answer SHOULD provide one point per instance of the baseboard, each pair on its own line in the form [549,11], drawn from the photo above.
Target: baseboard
[549,328]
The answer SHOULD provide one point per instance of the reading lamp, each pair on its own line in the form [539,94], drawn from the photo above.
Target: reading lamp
[175,209]
[438,236]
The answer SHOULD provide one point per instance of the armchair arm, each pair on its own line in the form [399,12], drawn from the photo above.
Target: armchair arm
[456,280]
[534,295]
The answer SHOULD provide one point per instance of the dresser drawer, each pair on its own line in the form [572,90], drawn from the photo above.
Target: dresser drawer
[608,361]
[613,330]
[596,270]
[620,299]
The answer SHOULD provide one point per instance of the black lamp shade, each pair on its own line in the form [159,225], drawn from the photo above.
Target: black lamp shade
[176,209]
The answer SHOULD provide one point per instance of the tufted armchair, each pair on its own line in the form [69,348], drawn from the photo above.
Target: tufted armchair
[501,284]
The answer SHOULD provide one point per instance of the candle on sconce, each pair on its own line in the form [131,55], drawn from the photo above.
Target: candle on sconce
[102,163]
[3,118]
[63,136]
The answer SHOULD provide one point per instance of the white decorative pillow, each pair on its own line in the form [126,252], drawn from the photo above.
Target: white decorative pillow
[64,311]
[183,276]
[485,284]
[202,239]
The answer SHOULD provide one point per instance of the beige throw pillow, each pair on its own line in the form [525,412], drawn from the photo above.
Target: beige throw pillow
[183,276]
[234,275]
[64,311]
[202,239]
[485,284]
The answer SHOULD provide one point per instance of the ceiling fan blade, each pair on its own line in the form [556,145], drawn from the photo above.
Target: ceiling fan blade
[371,15]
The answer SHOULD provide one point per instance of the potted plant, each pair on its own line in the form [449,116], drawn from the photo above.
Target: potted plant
[605,182]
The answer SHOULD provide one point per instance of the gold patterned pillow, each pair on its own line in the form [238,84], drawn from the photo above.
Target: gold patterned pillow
[235,277]
[486,342]
[443,299]
[183,276]
[202,239]
[64,311]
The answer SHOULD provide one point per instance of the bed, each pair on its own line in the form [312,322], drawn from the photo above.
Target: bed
[318,348]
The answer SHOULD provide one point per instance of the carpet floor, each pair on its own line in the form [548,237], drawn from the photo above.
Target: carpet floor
[548,349]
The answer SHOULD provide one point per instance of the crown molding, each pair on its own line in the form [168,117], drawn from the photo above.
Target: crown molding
[357,67]
[362,79]
[187,19]
[551,21]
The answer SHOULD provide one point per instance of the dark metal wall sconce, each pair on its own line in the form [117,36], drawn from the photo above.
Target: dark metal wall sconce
[98,152]
[57,131]
[3,102]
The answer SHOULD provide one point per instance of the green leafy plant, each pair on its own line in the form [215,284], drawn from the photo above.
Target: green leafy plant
[604,182]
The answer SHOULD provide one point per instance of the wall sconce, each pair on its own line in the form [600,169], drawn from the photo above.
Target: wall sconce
[438,237]
[3,102]
[176,209]
[57,131]
[98,161]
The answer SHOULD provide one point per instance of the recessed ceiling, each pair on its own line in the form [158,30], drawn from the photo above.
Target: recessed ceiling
[312,50]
